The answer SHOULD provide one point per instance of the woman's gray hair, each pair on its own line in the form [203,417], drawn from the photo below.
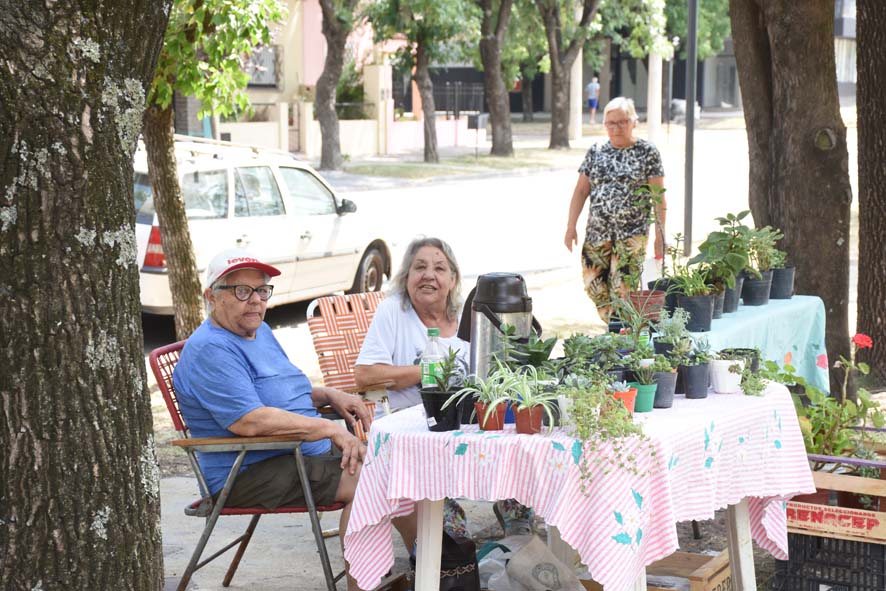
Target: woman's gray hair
[624,104]
[453,299]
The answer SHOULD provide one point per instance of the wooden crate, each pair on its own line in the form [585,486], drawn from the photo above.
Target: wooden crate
[705,573]
[843,523]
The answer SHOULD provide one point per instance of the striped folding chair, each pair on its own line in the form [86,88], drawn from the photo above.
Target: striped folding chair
[338,325]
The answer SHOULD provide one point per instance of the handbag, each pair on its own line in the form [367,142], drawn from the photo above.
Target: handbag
[458,564]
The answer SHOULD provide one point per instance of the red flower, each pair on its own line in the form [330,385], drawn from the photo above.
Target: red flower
[862,341]
[822,361]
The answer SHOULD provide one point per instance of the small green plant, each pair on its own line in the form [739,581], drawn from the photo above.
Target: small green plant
[779,259]
[762,248]
[452,372]
[535,351]
[752,383]
[635,318]
[700,353]
[671,327]
[492,390]
[526,392]
[725,253]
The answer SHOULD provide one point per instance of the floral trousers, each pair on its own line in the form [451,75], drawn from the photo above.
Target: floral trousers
[604,267]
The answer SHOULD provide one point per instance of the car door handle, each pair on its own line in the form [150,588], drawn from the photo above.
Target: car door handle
[243,241]
[306,236]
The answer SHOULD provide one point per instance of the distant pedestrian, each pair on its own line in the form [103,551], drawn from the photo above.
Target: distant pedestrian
[617,224]
[593,92]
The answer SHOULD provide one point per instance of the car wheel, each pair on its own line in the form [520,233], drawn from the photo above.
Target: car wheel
[370,273]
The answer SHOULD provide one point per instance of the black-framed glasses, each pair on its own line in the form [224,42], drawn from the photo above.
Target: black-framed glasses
[244,292]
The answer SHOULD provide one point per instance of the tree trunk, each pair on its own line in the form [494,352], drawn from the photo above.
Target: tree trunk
[79,484]
[336,32]
[184,280]
[789,93]
[526,92]
[428,109]
[492,32]
[562,59]
[871,104]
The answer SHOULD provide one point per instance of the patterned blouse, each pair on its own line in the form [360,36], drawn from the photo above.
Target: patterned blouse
[615,174]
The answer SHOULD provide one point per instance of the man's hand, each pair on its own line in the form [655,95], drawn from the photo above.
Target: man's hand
[571,238]
[352,451]
[349,407]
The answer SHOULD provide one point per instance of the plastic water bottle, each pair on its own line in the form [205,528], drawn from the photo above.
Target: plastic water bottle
[432,360]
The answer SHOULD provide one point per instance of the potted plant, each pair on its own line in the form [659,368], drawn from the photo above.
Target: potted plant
[696,370]
[756,288]
[666,382]
[644,374]
[649,302]
[635,320]
[726,375]
[623,392]
[726,254]
[666,283]
[450,378]
[670,330]
[782,277]
[531,403]
[490,395]
[697,297]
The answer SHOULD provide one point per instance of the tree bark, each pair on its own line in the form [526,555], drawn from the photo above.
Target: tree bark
[562,59]
[871,103]
[492,34]
[184,280]
[785,56]
[429,110]
[526,92]
[79,483]
[336,32]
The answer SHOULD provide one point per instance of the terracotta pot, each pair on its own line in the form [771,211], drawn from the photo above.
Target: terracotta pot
[496,420]
[627,398]
[529,420]
[648,302]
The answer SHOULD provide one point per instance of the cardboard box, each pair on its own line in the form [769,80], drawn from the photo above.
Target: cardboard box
[704,572]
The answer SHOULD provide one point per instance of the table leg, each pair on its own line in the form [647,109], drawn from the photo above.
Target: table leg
[741,548]
[429,542]
[640,581]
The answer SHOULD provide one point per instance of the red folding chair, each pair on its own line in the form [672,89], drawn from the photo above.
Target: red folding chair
[163,361]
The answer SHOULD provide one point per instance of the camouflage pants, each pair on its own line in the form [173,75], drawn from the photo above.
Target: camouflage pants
[604,265]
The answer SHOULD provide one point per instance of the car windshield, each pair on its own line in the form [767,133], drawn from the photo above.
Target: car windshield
[205,195]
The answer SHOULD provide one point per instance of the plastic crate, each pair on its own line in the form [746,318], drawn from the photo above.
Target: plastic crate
[829,564]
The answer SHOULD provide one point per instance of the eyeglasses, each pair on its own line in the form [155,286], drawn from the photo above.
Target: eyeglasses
[244,292]
[619,123]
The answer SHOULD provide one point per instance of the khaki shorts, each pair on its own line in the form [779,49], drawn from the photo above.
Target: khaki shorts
[274,482]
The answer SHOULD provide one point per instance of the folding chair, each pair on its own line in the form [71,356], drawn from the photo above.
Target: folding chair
[338,332]
[163,361]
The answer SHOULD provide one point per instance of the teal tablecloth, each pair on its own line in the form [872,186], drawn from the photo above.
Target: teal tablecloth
[785,331]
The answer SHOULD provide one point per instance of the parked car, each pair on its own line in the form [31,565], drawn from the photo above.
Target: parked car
[274,205]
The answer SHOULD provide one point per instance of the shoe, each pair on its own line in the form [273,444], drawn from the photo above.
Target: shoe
[514,518]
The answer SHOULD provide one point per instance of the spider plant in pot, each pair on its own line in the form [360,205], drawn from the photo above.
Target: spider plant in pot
[440,416]
[756,288]
[531,403]
[634,319]
[670,330]
[725,254]
[490,396]
[696,370]
[782,277]
[696,297]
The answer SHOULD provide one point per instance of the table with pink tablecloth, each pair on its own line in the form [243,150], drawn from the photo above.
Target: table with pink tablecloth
[700,456]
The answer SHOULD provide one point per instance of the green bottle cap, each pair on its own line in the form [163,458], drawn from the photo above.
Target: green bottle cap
[433,332]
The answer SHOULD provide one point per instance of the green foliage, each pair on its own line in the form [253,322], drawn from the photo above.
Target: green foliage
[671,327]
[492,390]
[525,49]
[350,90]
[726,252]
[452,372]
[526,392]
[535,352]
[762,248]
[634,316]
[645,372]
[204,48]
[713,25]
[636,26]
[699,354]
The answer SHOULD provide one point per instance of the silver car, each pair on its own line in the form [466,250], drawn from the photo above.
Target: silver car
[270,203]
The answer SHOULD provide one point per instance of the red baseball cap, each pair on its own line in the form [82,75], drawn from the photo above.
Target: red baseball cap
[235,259]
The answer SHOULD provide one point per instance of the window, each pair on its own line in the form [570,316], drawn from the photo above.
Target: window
[256,193]
[205,195]
[309,196]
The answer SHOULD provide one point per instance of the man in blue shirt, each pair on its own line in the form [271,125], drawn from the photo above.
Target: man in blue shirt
[234,379]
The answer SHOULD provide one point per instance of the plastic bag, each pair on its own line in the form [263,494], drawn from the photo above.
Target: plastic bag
[524,563]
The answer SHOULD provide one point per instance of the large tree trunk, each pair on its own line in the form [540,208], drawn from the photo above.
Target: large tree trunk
[79,486]
[871,103]
[562,59]
[526,92]
[785,56]
[184,280]
[428,109]
[492,33]
[336,32]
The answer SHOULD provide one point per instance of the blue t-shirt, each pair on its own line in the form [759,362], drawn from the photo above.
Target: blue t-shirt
[221,377]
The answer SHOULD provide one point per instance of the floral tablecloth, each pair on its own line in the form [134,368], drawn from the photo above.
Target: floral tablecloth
[708,454]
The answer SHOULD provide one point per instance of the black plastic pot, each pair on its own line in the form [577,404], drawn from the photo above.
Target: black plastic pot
[662,348]
[666,284]
[439,418]
[617,374]
[664,394]
[466,410]
[732,295]
[782,284]
[755,292]
[696,379]
[700,309]
[750,356]
[719,299]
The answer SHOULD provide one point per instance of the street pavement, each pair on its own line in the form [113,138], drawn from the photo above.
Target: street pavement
[495,221]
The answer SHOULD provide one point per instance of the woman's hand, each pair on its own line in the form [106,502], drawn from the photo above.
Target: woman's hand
[571,238]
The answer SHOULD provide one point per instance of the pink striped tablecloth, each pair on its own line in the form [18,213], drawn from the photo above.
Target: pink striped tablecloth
[709,453]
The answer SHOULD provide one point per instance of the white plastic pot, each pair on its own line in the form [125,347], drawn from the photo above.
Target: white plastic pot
[723,380]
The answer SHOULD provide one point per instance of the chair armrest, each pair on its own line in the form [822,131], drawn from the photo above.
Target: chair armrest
[220,444]
[374,387]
